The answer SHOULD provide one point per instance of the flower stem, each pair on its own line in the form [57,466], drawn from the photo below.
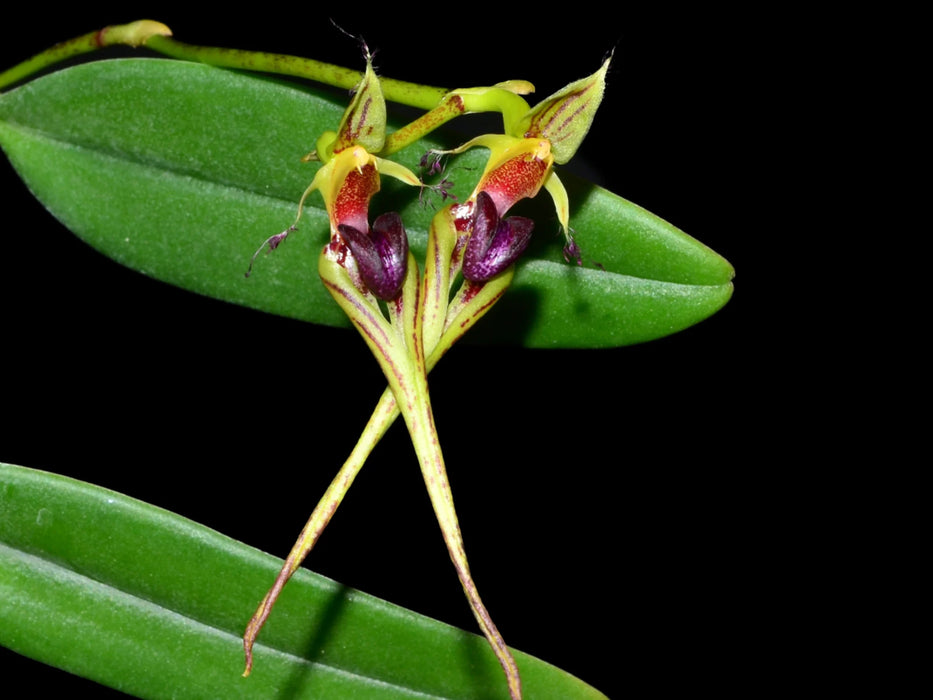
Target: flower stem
[132,34]
[156,36]
[402,92]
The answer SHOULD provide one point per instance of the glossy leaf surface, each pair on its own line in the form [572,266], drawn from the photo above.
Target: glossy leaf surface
[181,170]
[148,602]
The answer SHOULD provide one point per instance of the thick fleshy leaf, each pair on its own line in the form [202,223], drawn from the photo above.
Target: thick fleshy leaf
[181,170]
[85,587]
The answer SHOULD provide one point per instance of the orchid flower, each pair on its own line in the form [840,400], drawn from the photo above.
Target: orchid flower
[472,240]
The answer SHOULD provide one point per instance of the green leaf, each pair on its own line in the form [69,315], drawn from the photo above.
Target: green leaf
[181,170]
[152,604]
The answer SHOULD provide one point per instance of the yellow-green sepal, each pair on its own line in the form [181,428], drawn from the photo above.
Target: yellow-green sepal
[364,121]
[565,117]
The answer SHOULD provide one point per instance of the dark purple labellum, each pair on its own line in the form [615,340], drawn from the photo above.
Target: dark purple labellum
[381,255]
[494,244]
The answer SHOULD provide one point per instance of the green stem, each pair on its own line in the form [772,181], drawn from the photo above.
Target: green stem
[449,107]
[441,105]
[453,104]
[412,94]
[156,36]
[132,34]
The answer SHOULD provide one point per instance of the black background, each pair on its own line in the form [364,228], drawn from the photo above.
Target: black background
[656,577]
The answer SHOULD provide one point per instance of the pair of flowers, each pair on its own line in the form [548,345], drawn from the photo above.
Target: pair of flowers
[409,319]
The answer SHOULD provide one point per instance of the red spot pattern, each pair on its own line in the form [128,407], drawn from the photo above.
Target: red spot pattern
[515,179]
[351,205]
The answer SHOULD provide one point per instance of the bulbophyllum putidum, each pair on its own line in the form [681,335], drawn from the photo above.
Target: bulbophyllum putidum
[408,319]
